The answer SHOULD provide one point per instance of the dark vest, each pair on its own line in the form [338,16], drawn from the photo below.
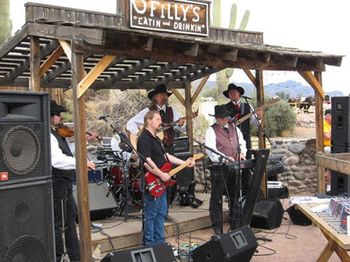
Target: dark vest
[168,119]
[226,143]
[245,126]
[63,145]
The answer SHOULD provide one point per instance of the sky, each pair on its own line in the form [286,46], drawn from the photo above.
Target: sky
[313,25]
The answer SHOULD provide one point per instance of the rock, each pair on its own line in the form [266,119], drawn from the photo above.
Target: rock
[299,175]
[292,160]
[296,148]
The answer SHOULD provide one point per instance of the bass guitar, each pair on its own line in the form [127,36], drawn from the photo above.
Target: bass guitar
[156,186]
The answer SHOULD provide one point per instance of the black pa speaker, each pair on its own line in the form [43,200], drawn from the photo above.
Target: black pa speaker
[24,137]
[238,245]
[101,200]
[340,121]
[156,253]
[340,183]
[267,214]
[26,222]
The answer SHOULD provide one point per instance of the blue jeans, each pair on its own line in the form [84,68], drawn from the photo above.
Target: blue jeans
[155,211]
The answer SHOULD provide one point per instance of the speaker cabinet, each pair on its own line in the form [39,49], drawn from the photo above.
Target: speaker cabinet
[238,245]
[341,121]
[186,176]
[340,182]
[157,253]
[267,214]
[101,201]
[24,137]
[26,222]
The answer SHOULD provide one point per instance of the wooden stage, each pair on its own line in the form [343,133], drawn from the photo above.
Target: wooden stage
[116,234]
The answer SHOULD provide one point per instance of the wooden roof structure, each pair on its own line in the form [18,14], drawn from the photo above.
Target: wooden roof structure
[62,47]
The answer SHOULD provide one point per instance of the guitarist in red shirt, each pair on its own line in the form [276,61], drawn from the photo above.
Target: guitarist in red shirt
[155,208]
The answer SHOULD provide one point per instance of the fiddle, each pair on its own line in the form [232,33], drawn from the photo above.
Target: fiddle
[68,132]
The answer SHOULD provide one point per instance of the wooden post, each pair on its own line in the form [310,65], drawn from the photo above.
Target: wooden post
[188,106]
[81,159]
[123,9]
[259,84]
[34,82]
[319,133]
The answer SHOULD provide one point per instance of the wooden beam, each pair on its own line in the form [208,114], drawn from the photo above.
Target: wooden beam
[250,76]
[311,79]
[81,160]
[260,97]
[179,96]
[193,50]
[188,106]
[34,83]
[149,46]
[67,49]
[321,185]
[50,60]
[90,77]
[199,88]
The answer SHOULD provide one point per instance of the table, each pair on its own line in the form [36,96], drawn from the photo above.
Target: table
[339,243]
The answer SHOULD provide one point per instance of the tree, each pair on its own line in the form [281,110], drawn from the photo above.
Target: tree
[5,22]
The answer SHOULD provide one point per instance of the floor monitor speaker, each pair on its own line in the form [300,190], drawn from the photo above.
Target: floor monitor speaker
[26,222]
[101,200]
[267,214]
[238,245]
[156,253]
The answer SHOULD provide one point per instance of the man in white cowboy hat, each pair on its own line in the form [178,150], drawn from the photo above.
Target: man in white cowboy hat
[159,97]
[225,138]
[238,109]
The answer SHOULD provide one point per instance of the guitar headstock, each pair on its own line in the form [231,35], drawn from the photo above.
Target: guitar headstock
[197,156]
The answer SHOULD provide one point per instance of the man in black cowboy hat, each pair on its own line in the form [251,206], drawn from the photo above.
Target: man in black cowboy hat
[224,137]
[238,109]
[159,97]
[63,171]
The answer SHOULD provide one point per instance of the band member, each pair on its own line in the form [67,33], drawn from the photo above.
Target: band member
[159,97]
[225,138]
[63,170]
[238,109]
[121,149]
[151,147]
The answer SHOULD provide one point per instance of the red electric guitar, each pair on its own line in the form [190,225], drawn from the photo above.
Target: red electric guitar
[156,186]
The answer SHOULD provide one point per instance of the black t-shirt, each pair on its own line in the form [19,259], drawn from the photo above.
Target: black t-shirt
[150,146]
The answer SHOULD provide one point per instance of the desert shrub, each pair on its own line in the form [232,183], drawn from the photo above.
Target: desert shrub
[279,117]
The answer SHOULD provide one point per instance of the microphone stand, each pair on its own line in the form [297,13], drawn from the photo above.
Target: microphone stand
[222,157]
[125,168]
[264,134]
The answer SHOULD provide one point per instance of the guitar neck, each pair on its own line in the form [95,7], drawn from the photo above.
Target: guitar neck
[185,164]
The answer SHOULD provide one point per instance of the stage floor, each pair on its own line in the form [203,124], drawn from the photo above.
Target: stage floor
[115,233]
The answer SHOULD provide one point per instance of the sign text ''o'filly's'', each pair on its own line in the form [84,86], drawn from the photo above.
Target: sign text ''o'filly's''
[177,16]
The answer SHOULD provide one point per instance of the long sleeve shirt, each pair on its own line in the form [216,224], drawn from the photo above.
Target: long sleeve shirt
[210,141]
[60,160]
[138,120]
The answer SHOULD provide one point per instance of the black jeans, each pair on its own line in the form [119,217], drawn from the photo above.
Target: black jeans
[217,178]
[62,190]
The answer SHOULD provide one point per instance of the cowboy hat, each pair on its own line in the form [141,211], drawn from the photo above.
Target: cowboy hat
[221,111]
[232,86]
[55,109]
[159,89]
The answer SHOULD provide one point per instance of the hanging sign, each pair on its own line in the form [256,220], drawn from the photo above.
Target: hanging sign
[177,16]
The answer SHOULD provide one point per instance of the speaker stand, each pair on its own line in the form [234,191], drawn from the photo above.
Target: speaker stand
[64,257]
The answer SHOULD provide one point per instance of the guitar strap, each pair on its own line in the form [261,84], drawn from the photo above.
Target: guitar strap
[163,149]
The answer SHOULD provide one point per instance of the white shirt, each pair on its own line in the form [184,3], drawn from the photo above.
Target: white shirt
[115,141]
[138,120]
[210,141]
[58,159]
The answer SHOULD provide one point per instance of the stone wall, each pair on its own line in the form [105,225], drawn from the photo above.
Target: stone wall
[298,157]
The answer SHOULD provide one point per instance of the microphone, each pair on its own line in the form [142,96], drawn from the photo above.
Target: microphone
[101,117]
[246,97]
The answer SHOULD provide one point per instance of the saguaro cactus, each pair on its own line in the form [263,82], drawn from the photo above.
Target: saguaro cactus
[5,22]
[222,77]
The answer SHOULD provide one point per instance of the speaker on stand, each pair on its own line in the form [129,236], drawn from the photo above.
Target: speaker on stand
[26,206]
[340,138]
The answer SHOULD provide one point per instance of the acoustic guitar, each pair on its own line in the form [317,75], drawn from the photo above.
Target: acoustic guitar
[133,137]
[156,186]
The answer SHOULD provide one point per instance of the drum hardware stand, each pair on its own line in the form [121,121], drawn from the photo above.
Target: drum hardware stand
[126,140]
[64,257]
